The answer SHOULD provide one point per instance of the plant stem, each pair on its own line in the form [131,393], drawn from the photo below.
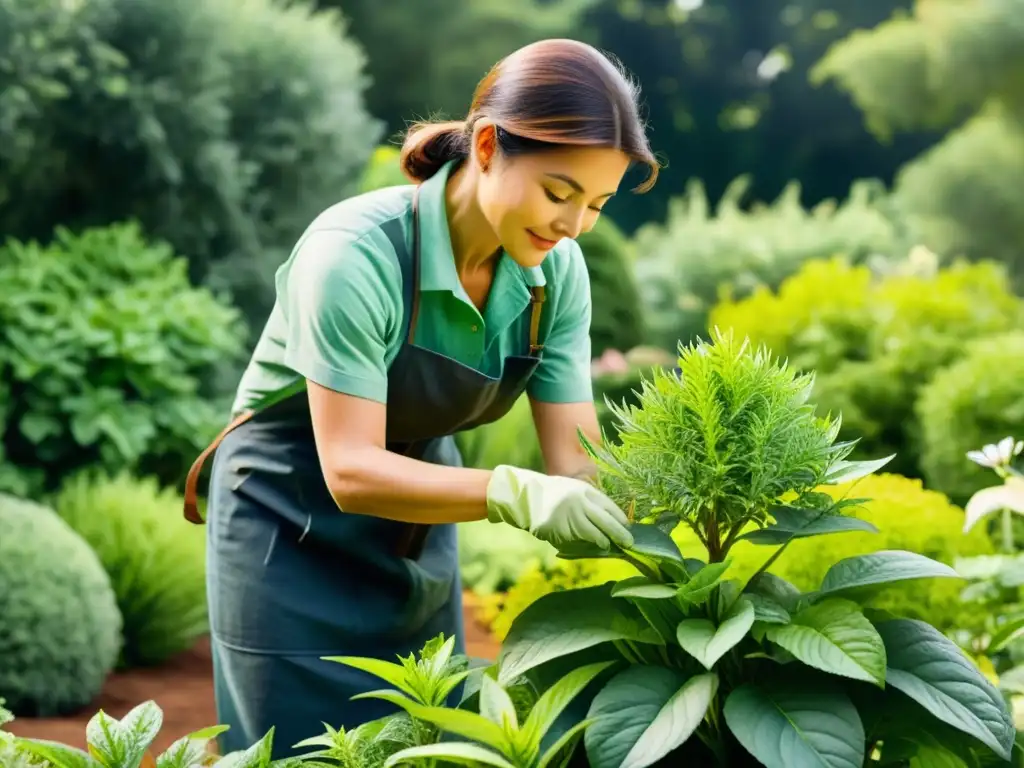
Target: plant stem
[1008,531]
[769,562]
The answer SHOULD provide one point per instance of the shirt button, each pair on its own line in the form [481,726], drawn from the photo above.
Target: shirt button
[473,328]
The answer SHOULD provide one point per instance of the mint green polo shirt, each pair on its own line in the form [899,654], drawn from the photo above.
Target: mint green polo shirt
[339,313]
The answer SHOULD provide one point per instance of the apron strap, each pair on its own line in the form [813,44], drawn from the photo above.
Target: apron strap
[536,304]
[192,481]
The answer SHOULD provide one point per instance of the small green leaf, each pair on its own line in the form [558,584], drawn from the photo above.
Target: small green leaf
[847,471]
[561,623]
[882,567]
[1008,630]
[460,721]
[835,637]
[792,523]
[706,643]
[796,726]
[641,586]
[563,743]
[767,610]
[496,705]
[388,671]
[699,587]
[58,755]
[189,750]
[643,713]
[929,668]
[452,752]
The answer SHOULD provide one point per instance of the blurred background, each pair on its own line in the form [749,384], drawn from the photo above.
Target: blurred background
[843,184]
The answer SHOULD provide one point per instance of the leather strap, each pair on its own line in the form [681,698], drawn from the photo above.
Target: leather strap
[192,481]
[537,302]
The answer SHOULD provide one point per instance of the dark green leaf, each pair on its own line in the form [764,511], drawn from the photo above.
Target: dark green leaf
[792,523]
[643,713]
[794,726]
[641,586]
[880,568]
[561,623]
[708,643]
[929,668]
[702,583]
[767,610]
[775,588]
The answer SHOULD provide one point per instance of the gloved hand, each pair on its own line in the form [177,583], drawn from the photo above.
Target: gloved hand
[558,510]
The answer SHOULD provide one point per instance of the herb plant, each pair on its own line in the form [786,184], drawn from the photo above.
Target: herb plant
[713,670]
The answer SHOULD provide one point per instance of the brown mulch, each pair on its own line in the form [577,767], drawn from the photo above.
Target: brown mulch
[184,690]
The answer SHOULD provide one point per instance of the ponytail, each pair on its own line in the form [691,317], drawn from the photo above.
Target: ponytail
[429,146]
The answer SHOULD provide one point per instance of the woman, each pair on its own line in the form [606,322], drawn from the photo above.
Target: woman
[404,316]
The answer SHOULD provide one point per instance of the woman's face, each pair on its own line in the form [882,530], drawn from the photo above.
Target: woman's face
[533,201]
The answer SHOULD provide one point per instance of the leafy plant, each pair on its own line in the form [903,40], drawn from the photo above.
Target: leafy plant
[722,671]
[12,755]
[157,566]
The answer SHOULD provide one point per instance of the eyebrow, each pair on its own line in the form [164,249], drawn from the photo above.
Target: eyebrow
[575,184]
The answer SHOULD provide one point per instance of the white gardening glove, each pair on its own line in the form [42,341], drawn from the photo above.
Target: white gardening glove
[558,510]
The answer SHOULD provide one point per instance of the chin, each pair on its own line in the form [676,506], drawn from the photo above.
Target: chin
[527,257]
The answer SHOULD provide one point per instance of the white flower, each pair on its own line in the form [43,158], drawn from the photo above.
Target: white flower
[1009,495]
[997,454]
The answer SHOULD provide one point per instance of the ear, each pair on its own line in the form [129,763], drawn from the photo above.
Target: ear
[485,144]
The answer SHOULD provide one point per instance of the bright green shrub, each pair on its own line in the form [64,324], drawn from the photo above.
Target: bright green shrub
[60,629]
[383,170]
[105,354]
[223,126]
[685,263]
[975,401]
[875,341]
[908,517]
[492,556]
[156,562]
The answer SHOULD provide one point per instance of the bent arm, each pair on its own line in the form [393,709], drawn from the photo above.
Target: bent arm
[365,478]
[559,442]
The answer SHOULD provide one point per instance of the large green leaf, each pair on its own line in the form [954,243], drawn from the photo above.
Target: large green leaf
[881,568]
[707,643]
[793,523]
[929,668]
[643,713]
[649,541]
[834,636]
[555,699]
[561,623]
[776,589]
[795,726]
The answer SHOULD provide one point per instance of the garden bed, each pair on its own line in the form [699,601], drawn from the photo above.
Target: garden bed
[184,690]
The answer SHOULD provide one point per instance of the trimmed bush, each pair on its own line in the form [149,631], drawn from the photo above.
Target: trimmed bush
[975,401]
[60,629]
[156,561]
[106,357]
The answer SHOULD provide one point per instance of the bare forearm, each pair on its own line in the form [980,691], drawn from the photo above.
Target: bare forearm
[374,481]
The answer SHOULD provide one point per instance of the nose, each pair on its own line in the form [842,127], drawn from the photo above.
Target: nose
[570,225]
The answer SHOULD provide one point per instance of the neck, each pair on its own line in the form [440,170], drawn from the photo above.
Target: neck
[473,240]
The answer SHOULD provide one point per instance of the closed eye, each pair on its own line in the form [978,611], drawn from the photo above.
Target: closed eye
[552,196]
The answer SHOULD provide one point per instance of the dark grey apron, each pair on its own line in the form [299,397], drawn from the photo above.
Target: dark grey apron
[292,578]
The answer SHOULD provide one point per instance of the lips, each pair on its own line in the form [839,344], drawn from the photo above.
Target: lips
[540,242]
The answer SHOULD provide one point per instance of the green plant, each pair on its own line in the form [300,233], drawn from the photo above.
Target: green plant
[12,755]
[156,565]
[105,353]
[60,629]
[685,264]
[875,341]
[722,671]
[222,126]
[976,400]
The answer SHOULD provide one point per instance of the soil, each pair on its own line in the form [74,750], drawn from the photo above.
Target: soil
[184,690]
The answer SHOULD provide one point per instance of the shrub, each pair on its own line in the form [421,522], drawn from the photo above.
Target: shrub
[383,170]
[223,126]
[685,263]
[875,341]
[60,629]
[106,352]
[156,563]
[977,400]
[618,320]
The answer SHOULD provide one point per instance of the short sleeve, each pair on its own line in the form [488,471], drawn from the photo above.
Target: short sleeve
[563,375]
[340,297]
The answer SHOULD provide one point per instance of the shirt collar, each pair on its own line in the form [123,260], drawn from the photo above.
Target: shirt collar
[437,260]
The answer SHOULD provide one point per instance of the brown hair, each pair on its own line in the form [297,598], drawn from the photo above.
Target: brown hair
[547,94]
